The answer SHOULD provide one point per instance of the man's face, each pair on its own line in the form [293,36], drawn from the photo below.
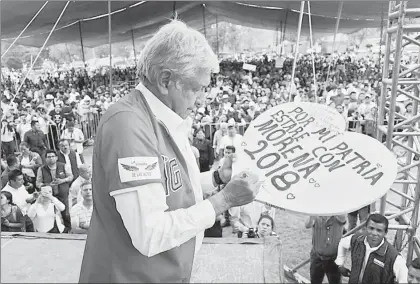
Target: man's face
[413,275]
[361,96]
[184,94]
[227,152]
[51,159]
[64,146]
[231,131]
[18,182]
[86,174]
[340,108]
[87,192]
[367,99]
[37,126]
[375,233]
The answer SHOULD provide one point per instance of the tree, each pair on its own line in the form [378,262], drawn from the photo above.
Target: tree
[14,63]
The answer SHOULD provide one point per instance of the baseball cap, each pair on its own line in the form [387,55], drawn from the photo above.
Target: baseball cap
[49,97]
[225,96]
[231,124]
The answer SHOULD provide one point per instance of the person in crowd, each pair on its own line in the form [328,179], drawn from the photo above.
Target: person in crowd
[75,136]
[69,157]
[8,136]
[58,176]
[36,139]
[81,213]
[159,217]
[12,219]
[362,213]
[326,235]
[245,218]
[29,162]
[85,175]
[194,149]
[204,147]
[231,139]
[222,131]
[373,258]
[45,212]
[21,196]
[12,163]
[414,272]
[265,226]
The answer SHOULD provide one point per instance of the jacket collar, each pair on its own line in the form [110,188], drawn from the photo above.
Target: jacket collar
[173,122]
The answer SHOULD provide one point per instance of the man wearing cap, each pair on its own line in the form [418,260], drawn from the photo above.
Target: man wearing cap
[149,216]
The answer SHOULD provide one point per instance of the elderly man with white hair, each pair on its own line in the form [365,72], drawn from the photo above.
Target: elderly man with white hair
[149,216]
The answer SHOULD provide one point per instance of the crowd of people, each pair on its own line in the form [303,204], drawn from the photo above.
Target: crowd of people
[45,124]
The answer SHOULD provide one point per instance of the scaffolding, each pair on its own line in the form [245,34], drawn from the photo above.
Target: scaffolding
[394,129]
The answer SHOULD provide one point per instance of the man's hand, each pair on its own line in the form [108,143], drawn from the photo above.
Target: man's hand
[344,271]
[242,189]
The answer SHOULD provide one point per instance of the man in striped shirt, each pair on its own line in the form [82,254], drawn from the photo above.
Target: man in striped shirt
[326,235]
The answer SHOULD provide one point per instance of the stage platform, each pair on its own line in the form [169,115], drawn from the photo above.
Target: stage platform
[51,258]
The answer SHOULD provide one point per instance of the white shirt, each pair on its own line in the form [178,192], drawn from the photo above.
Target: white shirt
[19,197]
[400,269]
[235,141]
[44,219]
[173,228]
[80,214]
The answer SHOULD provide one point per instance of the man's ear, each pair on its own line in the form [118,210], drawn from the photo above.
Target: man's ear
[163,80]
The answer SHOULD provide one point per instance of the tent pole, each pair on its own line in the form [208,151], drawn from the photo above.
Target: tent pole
[81,43]
[134,47]
[27,26]
[204,20]
[337,24]
[284,32]
[312,50]
[110,47]
[217,36]
[302,6]
[42,48]
[174,15]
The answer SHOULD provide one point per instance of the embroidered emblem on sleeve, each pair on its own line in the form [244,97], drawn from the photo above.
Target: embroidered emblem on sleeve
[138,168]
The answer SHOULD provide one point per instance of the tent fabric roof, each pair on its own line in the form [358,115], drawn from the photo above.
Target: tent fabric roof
[144,18]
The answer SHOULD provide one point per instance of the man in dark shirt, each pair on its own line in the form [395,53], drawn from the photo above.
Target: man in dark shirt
[36,139]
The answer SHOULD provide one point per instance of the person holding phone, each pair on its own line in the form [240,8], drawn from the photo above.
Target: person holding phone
[44,212]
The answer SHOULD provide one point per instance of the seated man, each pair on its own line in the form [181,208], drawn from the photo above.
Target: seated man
[75,196]
[81,213]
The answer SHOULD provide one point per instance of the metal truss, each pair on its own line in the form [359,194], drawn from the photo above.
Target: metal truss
[394,129]
[399,130]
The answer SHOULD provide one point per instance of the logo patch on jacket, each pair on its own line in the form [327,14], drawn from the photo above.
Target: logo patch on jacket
[138,168]
[172,175]
[378,262]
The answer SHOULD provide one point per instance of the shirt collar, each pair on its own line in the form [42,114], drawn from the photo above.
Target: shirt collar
[374,248]
[167,116]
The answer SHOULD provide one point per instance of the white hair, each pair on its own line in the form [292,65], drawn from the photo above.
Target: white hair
[178,48]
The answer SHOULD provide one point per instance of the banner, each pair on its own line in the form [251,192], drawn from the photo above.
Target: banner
[249,67]
[310,165]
